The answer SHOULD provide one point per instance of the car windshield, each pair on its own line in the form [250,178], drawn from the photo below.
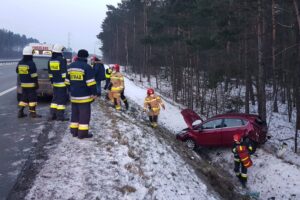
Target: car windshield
[41,62]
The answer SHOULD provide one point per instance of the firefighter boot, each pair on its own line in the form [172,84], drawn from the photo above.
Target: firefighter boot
[52,114]
[84,135]
[21,113]
[117,105]
[61,116]
[243,180]
[33,113]
[126,104]
[154,124]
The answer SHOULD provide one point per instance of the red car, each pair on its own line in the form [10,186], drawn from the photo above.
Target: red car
[219,130]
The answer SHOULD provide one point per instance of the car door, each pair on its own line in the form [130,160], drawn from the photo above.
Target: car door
[231,126]
[210,133]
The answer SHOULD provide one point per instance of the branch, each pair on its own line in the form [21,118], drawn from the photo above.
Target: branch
[286,26]
[285,49]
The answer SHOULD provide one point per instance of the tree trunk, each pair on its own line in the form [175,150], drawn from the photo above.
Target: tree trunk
[297,76]
[126,49]
[275,79]
[261,71]
[247,76]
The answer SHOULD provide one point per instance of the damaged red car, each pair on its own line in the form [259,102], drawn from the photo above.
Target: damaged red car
[218,131]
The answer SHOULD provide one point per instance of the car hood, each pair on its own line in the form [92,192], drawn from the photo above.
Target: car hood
[190,117]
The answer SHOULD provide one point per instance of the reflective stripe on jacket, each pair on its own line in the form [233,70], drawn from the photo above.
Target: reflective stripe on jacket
[81,79]
[153,102]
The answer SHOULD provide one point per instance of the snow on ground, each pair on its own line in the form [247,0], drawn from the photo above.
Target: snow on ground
[124,160]
[271,175]
[170,118]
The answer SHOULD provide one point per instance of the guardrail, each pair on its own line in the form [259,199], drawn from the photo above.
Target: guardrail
[8,61]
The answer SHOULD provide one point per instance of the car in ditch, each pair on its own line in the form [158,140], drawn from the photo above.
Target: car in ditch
[218,131]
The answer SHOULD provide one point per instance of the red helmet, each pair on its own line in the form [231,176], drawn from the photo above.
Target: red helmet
[150,91]
[75,58]
[237,137]
[93,58]
[117,67]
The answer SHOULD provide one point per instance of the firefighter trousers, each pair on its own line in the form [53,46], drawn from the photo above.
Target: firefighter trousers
[107,83]
[240,170]
[59,101]
[80,119]
[28,98]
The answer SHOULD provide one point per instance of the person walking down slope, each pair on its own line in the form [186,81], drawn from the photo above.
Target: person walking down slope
[81,80]
[153,103]
[117,88]
[28,77]
[99,73]
[57,69]
[242,160]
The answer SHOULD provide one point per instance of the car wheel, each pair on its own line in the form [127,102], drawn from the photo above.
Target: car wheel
[190,144]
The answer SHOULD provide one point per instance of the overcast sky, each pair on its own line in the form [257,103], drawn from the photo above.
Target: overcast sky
[51,21]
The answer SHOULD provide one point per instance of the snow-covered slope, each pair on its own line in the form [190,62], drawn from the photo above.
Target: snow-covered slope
[272,176]
[124,160]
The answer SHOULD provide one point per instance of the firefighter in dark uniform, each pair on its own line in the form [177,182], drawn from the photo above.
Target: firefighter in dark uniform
[108,73]
[57,69]
[28,77]
[99,72]
[81,79]
[242,160]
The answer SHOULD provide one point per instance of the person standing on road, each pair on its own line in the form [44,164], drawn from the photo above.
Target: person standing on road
[57,69]
[99,73]
[81,80]
[153,103]
[242,160]
[28,77]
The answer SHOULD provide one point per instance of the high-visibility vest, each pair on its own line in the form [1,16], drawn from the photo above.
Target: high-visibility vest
[108,73]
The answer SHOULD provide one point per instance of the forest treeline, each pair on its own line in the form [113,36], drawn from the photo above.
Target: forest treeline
[11,44]
[201,46]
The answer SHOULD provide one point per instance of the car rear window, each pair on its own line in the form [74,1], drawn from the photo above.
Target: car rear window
[41,62]
[233,122]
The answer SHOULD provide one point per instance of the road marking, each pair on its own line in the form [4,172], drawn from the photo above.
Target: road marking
[8,90]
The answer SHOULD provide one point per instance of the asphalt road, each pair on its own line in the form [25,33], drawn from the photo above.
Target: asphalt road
[17,136]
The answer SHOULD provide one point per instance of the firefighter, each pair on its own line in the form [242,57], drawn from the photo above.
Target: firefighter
[99,73]
[117,88]
[57,69]
[242,160]
[153,103]
[81,80]
[108,73]
[28,77]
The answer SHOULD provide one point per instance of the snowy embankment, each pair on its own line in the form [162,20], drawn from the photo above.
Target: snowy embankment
[274,177]
[124,160]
